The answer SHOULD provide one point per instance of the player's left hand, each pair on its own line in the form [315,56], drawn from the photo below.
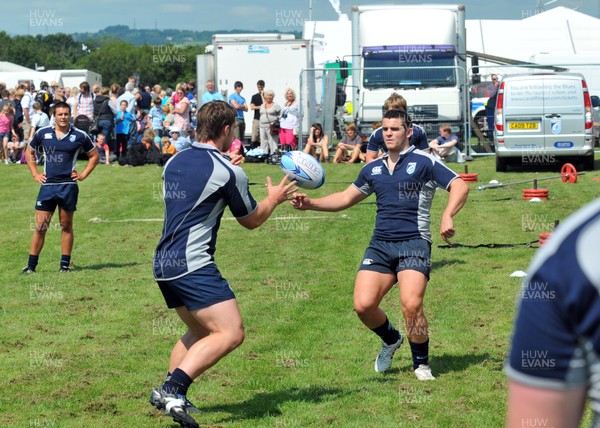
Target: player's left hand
[76,176]
[236,160]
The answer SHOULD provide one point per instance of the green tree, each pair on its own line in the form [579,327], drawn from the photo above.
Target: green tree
[162,64]
[61,51]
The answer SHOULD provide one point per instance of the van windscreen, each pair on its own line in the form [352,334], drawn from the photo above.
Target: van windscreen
[409,66]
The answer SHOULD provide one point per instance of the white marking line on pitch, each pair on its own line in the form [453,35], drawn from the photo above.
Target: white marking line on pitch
[290,217]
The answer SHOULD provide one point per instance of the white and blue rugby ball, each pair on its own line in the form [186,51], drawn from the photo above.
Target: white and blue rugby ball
[302,167]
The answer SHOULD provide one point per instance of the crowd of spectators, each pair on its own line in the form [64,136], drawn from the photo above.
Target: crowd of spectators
[116,117]
[123,117]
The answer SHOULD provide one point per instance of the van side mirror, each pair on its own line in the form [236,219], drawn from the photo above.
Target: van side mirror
[595,101]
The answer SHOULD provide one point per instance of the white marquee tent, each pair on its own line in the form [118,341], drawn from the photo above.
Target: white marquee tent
[559,36]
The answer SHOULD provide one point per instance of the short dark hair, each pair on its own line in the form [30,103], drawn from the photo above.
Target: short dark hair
[212,118]
[446,127]
[260,83]
[61,104]
[238,84]
[399,114]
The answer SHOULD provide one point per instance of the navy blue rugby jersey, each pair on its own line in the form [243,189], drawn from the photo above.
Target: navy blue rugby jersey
[404,195]
[199,183]
[60,153]
[417,139]
[556,341]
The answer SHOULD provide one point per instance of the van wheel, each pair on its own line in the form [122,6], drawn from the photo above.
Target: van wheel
[501,164]
[588,163]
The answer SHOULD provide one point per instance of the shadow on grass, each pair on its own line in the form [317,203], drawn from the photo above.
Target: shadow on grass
[440,364]
[267,404]
[108,265]
[447,363]
[446,262]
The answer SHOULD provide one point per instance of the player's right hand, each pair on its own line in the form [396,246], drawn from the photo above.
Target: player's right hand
[283,191]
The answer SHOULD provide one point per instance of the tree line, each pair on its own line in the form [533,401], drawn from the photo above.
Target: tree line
[113,59]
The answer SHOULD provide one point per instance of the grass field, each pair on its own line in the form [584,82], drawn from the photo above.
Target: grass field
[85,349]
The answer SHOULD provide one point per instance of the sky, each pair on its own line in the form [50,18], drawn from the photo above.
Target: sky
[75,16]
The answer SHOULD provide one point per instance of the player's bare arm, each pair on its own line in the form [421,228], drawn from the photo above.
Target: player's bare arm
[459,190]
[94,159]
[37,176]
[335,202]
[558,408]
[276,195]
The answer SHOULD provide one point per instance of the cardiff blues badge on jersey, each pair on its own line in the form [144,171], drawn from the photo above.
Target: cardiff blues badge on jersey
[555,126]
[72,138]
[410,169]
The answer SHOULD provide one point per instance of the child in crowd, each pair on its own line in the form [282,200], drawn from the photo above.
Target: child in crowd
[123,121]
[105,156]
[167,147]
[6,129]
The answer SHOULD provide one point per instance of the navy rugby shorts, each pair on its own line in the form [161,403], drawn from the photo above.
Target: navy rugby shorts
[393,257]
[197,290]
[63,195]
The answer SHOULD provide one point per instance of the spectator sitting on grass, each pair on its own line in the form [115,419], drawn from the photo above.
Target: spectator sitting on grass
[145,152]
[444,146]
[348,148]
[106,157]
[318,144]
[167,147]
[177,140]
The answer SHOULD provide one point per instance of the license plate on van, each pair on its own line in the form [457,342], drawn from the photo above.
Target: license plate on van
[524,125]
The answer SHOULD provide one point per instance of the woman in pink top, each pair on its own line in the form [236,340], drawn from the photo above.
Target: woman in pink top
[6,131]
[182,110]
[236,148]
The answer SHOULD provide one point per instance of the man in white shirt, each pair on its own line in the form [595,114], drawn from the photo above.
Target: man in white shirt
[129,97]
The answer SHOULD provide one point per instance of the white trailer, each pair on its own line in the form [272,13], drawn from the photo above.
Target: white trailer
[71,78]
[64,78]
[278,59]
[418,51]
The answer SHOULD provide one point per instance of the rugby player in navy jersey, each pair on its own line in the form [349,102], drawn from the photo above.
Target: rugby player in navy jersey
[59,145]
[199,183]
[376,144]
[404,181]
[554,362]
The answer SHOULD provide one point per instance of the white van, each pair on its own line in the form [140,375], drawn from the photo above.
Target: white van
[543,119]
